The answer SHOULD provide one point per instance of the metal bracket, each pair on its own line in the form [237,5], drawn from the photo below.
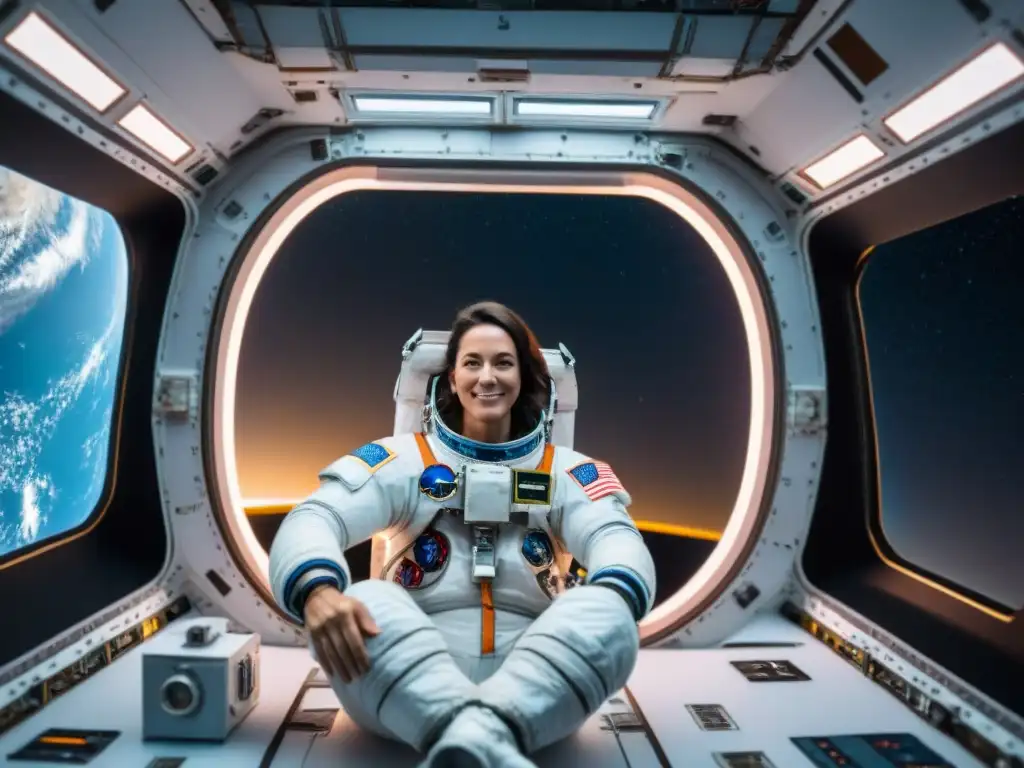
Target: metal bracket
[672,157]
[485,565]
[567,358]
[177,396]
[411,344]
[619,722]
[805,410]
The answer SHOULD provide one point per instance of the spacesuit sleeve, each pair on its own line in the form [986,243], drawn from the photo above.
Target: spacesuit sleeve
[591,518]
[351,505]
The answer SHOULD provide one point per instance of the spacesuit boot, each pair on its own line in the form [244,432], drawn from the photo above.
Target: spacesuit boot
[477,738]
[575,655]
[413,687]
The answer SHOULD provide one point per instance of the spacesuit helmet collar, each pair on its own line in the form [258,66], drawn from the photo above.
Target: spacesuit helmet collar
[489,452]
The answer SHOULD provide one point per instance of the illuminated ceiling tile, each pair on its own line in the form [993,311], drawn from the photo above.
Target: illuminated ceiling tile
[622,110]
[141,123]
[413,105]
[856,154]
[38,41]
[990,71]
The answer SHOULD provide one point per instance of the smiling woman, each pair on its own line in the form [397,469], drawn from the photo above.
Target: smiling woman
[63,296]
[497,386]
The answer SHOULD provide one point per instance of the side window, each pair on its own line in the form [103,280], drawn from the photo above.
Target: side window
[63,295]
[944,327]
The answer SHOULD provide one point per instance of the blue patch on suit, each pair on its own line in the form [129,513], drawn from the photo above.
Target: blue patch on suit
[585,474]
[373,455]
[439,482]
[537,549]
[431,551]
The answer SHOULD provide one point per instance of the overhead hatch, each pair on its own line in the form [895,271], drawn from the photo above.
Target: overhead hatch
[623,38]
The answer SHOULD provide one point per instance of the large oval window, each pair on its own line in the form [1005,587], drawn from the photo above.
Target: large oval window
[632,290]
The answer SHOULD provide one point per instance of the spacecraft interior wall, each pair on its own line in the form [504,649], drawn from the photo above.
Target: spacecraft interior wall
[729,205]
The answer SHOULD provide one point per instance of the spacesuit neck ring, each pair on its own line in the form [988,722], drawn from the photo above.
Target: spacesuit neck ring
[478,451]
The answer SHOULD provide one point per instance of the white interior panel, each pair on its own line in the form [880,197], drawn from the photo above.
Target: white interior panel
[785,142]
[837,700]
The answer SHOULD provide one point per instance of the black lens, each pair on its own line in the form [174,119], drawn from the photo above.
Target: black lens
[178,696]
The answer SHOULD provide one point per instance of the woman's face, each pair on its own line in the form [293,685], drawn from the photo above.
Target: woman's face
[486,378]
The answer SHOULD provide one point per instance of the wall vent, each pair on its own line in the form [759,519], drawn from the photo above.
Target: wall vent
[711,717]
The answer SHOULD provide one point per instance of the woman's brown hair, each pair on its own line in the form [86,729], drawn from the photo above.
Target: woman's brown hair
[535,387]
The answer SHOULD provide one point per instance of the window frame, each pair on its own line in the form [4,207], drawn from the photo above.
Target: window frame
[886,552]
[116,566]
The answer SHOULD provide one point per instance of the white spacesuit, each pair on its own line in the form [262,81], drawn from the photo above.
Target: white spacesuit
[494,642]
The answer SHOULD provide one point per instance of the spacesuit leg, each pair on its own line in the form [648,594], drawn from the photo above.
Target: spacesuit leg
[576,655]
[413,686]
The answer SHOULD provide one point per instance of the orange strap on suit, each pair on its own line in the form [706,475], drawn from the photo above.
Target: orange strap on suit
[486,619]
[486,597]
[547,459]
[425,452]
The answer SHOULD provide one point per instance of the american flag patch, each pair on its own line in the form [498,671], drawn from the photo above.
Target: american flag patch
[596,479]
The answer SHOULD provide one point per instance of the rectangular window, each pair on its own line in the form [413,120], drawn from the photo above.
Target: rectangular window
[944,330]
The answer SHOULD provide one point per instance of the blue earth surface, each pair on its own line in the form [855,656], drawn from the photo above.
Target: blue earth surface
[63,294]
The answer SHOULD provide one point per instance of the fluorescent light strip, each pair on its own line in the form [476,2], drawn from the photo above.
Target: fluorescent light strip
[39,42]
[411,105]
[141,123]
[856,154]
[552,108]
[989,71]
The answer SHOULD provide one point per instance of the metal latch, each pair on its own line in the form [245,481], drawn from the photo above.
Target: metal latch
[805,410]
[177,397]
[484,563]
[619,722]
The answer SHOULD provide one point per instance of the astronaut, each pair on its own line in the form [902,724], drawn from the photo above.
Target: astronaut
[479,638]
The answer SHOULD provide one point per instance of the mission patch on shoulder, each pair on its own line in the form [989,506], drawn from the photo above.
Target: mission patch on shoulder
[373,455]
[596,479]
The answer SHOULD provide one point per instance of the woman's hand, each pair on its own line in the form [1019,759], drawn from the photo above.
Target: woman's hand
[337,625]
